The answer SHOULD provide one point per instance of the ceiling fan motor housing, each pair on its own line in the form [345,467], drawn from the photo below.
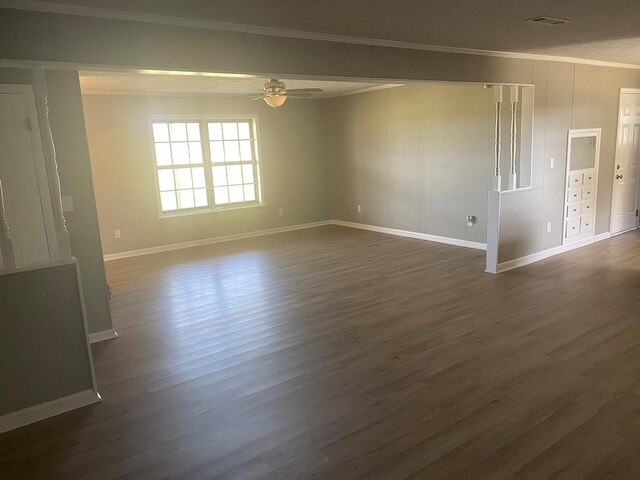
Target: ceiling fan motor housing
[274,86]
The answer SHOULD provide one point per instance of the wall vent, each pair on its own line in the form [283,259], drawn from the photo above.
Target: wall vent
[548,20]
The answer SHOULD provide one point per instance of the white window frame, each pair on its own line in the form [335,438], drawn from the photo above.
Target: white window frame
[207,163]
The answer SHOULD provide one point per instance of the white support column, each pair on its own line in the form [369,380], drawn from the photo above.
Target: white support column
[42,106]
[497,177]
[513,176]
[6,245]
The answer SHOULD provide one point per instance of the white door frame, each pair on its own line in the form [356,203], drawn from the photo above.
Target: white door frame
[580,133]
[613,178]
[38,158]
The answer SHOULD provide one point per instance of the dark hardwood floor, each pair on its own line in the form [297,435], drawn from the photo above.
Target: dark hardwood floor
[334,353]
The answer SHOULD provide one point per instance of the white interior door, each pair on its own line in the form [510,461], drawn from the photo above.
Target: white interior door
[625,184]
[23,176]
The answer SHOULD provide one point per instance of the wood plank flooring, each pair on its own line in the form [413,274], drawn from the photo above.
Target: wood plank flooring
[334,353]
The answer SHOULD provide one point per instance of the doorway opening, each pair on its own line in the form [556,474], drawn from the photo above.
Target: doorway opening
[624,204]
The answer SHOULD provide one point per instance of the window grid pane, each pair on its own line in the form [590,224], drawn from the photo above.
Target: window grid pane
[183,184]
[233,147]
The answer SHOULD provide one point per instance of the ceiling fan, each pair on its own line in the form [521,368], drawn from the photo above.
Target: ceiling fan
[275,93]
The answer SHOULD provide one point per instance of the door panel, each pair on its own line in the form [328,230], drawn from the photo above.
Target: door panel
[625,187]
[20,182]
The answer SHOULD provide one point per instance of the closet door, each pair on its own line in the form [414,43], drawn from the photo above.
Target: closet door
[23,176]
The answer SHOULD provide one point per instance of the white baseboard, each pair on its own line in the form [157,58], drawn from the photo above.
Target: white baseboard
[212,240]
[418,235]
[39,412]
[536,257]
[102,335]
[625,231]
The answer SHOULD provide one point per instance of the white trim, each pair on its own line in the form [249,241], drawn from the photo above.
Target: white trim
[207,163]
[494,202]
[39,165]
[35,266]
[580,133]
[420,236]
[55,407]
[212,240]
[85,327]
[278,32]
[536,257]
[624,231]
[615,163]
[102,335]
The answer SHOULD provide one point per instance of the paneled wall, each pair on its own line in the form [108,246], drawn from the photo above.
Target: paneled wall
[293,157]
[43,348]
[567,95]
[67,124]
[420,157]
[417,158]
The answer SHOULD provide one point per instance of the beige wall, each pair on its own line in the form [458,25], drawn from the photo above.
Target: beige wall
[292,153]
[567,95]
[67,125]
[416,158]
[43,347]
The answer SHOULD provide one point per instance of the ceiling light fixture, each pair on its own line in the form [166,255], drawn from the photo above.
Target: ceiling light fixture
[275,100]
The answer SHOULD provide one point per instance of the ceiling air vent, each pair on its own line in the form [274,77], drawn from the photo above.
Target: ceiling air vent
[548,20]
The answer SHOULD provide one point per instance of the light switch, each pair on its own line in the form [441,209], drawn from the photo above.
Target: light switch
[67,203]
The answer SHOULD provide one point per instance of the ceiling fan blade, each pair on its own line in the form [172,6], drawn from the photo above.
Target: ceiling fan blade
[258,98]
[304,91]
[299,95]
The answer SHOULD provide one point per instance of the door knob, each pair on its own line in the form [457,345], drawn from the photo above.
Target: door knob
[618,177]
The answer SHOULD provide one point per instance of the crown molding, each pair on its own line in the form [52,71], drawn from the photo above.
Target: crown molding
[40,6]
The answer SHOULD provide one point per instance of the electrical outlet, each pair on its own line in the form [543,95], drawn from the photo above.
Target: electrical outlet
[359,209]
[552,162]
[470,220]
[549,227]
[116,233]
[281,212]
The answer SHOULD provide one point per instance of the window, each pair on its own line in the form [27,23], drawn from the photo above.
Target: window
[205,165]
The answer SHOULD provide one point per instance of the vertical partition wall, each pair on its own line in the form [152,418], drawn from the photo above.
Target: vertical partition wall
[45,358]
[419,159]
[30,186]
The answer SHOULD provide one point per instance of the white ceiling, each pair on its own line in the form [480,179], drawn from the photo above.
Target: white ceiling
[203,84]
[599,30]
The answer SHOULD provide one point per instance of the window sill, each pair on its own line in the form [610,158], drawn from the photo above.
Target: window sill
[163,216]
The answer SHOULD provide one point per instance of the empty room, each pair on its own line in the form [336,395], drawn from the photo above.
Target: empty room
[328,240]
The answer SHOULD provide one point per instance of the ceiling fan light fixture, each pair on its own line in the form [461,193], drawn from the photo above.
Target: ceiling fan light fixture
[275,101]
